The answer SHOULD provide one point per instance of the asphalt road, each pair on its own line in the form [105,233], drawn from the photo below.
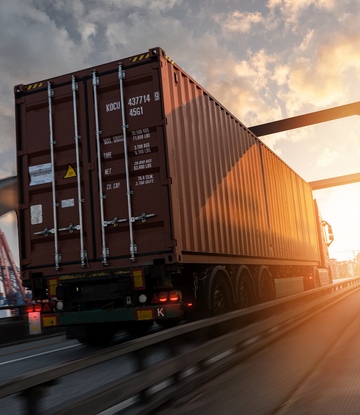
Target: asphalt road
[314,369]
[23,358]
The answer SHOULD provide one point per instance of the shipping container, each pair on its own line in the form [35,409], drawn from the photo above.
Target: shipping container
[134,180]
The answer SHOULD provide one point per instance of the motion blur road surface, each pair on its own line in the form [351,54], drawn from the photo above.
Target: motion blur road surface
[314,369]
[16,360]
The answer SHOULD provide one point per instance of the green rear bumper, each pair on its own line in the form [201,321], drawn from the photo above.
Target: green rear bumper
[159,312]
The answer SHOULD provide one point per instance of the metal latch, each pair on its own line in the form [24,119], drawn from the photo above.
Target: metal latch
[142,217]
[45,232]
[114,222]
[71,228]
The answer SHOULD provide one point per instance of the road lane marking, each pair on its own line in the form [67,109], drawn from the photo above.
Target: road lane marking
[34,347]
[39,354]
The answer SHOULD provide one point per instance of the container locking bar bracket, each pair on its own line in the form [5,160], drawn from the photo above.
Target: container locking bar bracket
[52,143]
[45,232]
[133,248]
[71,228]
[95,82]
[114,222]
[142,217]
[74,87]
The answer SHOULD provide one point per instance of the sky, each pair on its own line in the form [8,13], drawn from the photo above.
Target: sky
[263,60]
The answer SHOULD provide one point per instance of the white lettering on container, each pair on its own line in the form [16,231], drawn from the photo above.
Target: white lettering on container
[108,155]
[111,186]
[142,148]
[118,138]
[107,172]
[140,99]
[113,106]
[146,179]
[143,164]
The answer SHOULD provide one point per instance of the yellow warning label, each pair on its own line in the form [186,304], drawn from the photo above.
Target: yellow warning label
[49,321]
[70,172]
[138,281]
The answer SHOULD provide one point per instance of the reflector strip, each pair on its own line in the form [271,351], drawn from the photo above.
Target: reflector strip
[52,284]
[46,308]
[138,279]
[145,314]
[49,320]
[155,299]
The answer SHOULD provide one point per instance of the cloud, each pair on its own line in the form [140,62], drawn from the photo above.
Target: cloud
[327,157]
[323,81]
[238,22]
[292,9]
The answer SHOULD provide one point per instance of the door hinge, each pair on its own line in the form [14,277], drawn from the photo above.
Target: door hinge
[167,182]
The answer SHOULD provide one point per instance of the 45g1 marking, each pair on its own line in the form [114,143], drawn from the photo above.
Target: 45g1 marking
[136,111]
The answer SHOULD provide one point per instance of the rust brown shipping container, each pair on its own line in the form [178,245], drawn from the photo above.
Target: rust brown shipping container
[203,188]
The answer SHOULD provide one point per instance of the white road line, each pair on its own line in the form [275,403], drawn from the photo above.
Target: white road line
[39,354]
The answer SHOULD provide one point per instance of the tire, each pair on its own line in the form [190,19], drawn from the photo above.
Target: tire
[265,288]
[138,328]
[245,292]
[220,297]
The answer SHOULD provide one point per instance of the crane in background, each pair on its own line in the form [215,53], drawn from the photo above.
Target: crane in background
[14,293]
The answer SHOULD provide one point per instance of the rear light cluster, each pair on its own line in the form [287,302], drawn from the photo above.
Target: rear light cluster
[44,307]
[163,297]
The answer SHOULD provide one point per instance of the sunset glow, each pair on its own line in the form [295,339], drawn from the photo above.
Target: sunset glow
[263,61]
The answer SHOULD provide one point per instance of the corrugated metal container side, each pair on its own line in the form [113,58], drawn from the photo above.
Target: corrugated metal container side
[203,188]
[231,195]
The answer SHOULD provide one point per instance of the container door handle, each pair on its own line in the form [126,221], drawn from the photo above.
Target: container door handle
[142,217]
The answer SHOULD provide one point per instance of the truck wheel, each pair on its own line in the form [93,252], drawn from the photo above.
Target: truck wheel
[138,328]
[245,288]
[220,297]
[265,288]
[245,292]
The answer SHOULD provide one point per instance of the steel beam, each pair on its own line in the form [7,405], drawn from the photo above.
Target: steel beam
[335,181]
[306,119]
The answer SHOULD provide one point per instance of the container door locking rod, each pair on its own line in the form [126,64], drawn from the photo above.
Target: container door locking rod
[80,200]
[52,143]
[95,82]
[133,247]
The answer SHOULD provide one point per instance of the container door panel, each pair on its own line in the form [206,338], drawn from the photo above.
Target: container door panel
[41,212]
[146,163]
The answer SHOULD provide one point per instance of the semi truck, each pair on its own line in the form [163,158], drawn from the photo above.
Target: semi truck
[142,199]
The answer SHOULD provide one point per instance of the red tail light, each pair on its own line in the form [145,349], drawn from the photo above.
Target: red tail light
[37,307]
[163,296]
[29,308]
[174,296]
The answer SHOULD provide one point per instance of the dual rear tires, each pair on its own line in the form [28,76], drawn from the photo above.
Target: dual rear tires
[226,295]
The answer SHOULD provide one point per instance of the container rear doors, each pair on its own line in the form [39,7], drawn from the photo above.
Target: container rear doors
[85,202]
